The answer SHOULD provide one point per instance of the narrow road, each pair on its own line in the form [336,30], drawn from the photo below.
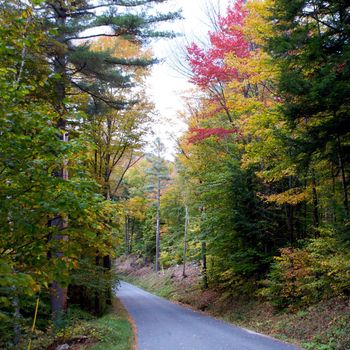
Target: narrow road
[162,325]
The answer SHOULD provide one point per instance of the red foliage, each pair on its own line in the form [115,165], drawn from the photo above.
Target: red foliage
[199,134]
[208,65]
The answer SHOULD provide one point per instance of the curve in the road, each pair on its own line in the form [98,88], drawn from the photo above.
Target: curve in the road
[162,325]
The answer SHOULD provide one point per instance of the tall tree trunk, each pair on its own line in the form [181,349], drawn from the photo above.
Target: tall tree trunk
[107,264]
[289,221]
[343,176]
[158,226]
[204,265]
[334,201]
[107,176]
[16,318]
[59,293]
[106,260]
[316,219]
[127,235]
[97,304]
[95,163]
[131,235]
[185,242]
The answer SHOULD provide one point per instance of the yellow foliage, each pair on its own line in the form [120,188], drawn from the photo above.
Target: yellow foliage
[257,28]
[293,196]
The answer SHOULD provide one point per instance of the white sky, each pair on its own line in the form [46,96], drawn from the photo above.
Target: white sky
[166,85]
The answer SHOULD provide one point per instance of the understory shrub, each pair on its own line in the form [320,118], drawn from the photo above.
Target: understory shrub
[304,276]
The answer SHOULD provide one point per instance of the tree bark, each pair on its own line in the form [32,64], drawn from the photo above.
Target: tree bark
[289,220]
[343,176]
[127,235]
[107,264]
[158,226]
[131,235]
[316,219]
[185,242]
[17,318]
[97,304]
[58,294]
[204,265]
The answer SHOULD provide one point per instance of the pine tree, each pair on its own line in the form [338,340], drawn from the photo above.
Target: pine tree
[31,153]
[70,26]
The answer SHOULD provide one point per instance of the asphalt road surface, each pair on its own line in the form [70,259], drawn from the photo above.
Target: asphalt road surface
[162,325]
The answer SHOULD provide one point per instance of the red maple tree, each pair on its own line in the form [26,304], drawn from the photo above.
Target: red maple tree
[199,134]
[208,65]
[210,71]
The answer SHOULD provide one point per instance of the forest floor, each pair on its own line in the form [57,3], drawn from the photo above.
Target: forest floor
[325,326]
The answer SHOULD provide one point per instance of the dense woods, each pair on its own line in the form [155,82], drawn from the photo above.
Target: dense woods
[258,194]
[73,116]
[263,167]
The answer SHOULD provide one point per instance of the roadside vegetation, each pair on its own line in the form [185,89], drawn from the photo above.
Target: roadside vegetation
[324,326]
[81,331]
[73,119]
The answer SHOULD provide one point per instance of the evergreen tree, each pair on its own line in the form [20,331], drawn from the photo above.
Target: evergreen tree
[71,25]
[310,43]
[30,157]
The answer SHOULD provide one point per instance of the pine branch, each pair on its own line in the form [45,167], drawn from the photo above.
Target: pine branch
[113,104]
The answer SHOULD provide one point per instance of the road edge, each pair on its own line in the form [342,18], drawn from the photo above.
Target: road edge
[131,321]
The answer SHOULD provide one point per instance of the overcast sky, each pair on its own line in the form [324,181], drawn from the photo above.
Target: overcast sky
[166,85]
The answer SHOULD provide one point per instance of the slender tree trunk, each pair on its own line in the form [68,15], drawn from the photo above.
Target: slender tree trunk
[17,318]
[343,176]
[95,163]
[107,264]
[185,242]
[131,235]
[334,201]
[158,226]
[204,265]
[107,175]
[15,302]
[316,219]
[289,221]
[97,304]
[127,235]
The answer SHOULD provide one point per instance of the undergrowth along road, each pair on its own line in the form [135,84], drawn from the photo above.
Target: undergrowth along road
[323,326]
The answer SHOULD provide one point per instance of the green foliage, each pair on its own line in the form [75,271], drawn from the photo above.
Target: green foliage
[148,249]
[112,331]
[38,105]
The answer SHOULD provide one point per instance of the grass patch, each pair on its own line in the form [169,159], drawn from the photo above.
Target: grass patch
[83,331]
[116,329]
[156,283]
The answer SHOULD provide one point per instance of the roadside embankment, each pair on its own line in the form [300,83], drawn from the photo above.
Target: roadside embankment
[324,326]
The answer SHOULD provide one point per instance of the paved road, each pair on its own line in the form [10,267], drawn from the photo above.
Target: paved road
[162,325]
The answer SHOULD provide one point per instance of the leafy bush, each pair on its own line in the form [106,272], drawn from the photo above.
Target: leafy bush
[303,276]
